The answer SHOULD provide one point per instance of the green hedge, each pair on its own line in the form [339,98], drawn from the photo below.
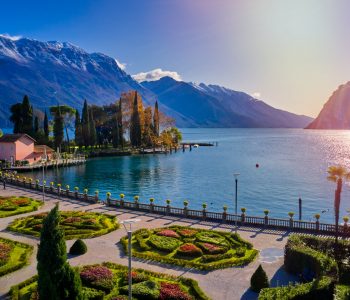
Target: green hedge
[19,256]
[342,292]
[318,289]
[8,206]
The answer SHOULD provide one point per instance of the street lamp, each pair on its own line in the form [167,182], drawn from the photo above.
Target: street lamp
[236,193]
[129,232]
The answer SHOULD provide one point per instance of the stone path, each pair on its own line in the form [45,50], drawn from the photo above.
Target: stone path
[226,284]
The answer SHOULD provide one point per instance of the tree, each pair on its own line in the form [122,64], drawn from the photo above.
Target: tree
[259,280]
[27,116]
[120,124]
[58,128]
[156,119]
[92,129]
[1,133]
[36,125]
[148,130]
[78,129]
[135,124]
[67,114]
[56,279]
[85,123]
[337,174]
[46,126]
[16,117]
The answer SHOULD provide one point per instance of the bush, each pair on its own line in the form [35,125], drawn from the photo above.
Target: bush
[78,248]
[147,290]
[240,252]
[172,291]
[189,249]
[168,233]
[259,280]
[164,243]
[212,249]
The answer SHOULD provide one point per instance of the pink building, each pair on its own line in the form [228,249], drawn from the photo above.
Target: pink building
[17,147]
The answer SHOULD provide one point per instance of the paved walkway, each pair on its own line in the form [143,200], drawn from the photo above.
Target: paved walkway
[230,283]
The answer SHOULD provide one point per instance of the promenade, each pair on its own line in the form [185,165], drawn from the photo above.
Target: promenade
[231,283]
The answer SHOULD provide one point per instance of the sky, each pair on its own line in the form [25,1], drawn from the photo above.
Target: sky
[292,54]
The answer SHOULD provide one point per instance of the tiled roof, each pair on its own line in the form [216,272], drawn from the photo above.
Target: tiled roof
[11,138]
[41,149]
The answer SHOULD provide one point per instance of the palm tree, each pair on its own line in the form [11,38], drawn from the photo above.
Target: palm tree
[337,174]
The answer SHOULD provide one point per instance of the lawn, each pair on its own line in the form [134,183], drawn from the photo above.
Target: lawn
[10,206]
[13,255]
[76,224]
[191,247]
[110,281]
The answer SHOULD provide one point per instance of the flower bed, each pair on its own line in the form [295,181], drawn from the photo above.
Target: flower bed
[76,224]
[10,206]
[13,255]
[146,285]
[191,247]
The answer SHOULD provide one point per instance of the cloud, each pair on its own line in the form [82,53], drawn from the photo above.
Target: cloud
[120,65]
[11,37]
[256,95]
[156,74]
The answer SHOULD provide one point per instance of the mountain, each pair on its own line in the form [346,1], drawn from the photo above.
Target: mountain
[335,114]
[52,71]
[213,105]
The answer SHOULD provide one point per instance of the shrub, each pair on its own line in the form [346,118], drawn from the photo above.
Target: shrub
[147,290]
[217,257]
[136,277]
[187,232]
[5,250]
[189,249]
[168,233]
[259,280]
[212,249]
[78,248]
[95,273]
[164,243]
[240,252]
[211,237]
[172,291]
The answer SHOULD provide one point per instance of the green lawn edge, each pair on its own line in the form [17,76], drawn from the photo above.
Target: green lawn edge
[113,226]
[248,258]
[34,206]
[194,288]
[19,257]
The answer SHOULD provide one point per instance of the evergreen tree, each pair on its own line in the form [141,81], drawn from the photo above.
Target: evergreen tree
[85,123]
[135,124]
[78,130]
[259,280]
[120,124]
[56,279]
[46,126]
[16,117]
[92,129]
[58,128]
[147,132]
[36,125]
[27,116]
[156,120]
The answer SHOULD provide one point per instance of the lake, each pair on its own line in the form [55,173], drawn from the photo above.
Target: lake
[292,163]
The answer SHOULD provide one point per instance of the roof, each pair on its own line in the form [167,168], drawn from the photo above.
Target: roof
[11,138]
[41,149]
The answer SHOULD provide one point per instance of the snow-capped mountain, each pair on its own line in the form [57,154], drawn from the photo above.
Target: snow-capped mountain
[52,71]
[335,114]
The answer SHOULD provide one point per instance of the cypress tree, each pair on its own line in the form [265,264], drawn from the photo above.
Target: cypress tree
[120,124]
[92,128]
[78,129]
[27,116]
[156,120]
[46,126]
[135,125]
[85,123]
[16,117]
[56,279]
[36,125]
[58,128]
[259,280]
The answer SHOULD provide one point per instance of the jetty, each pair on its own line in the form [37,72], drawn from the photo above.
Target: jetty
[201,144]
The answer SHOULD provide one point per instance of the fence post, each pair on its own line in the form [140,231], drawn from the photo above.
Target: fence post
[108,200]
[96,196]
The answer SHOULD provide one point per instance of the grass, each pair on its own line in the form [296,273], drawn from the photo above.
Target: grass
[114,285]
[191,247]
[18,256]
[10,206]
[76,224]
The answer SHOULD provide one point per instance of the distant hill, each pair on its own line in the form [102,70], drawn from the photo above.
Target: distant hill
[213,105]
[335,114]
[49,72]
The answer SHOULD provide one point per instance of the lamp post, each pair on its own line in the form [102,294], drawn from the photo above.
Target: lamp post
[129,232]
[236,198]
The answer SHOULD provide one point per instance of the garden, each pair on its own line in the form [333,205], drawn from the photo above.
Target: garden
[323,266]
[75,224]
[10,206]
[110,281]
[13,255]
[191,247]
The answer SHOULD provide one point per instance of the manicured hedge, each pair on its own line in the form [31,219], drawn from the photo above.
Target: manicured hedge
[76,224]
[10,206]
[191,247]
[109,281]
[16,256]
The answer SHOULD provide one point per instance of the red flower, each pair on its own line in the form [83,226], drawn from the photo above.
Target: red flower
[95,273]
[187,232]
[168,233]
[172,291]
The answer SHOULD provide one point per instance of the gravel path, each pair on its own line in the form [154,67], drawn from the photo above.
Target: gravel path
[230,283]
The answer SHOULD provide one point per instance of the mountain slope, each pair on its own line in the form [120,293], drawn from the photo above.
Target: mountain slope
[335,114]
[212,105]
[52,71]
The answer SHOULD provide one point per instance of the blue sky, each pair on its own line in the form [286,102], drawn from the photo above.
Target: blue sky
[293,53]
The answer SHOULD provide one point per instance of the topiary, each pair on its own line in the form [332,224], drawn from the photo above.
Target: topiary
[259,280]
[78,248]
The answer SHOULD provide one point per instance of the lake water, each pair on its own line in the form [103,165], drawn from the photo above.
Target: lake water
[293,163]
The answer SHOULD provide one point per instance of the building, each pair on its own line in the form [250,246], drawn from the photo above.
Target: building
[20,147]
